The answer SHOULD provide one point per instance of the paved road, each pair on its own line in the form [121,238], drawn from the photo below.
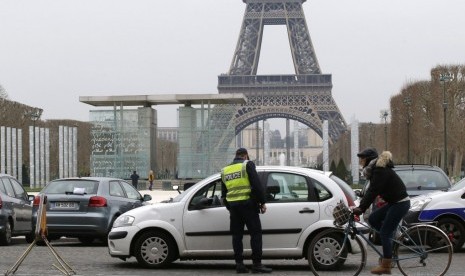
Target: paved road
[95,260]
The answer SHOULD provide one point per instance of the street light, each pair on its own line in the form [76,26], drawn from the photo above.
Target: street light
[34,116]
[384,115]
[445,78]
[408,102]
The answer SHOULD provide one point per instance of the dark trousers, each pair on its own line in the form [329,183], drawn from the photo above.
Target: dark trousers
[246,213]
[385,220]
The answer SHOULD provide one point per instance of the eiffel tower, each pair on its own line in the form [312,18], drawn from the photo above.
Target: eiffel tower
[304,97]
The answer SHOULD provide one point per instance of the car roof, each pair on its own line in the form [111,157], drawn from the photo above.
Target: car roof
[416,166]
[95,178]
[294,169]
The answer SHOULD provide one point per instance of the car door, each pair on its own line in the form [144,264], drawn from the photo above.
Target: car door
[119,199]
[23,207]
[206,220]
[133,197]
[13,205]
[292,207]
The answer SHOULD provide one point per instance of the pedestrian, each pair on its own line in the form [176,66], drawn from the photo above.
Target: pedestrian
[244,197]
[135,179]
[386,183]
[151,179]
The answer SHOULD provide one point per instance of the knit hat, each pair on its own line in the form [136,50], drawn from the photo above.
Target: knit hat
[369,153]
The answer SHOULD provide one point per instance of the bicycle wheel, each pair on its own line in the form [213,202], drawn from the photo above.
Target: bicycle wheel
[327,254]
[423,250]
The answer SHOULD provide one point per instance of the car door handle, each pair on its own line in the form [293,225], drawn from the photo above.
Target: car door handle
[306,210]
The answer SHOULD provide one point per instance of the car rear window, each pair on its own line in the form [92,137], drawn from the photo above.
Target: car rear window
[348,191]
[72,187]
[423,179]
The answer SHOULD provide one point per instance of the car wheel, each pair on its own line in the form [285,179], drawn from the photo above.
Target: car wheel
[323,248]
[5,237]
[30,237]
[86,240]
[154,249]
[454,230]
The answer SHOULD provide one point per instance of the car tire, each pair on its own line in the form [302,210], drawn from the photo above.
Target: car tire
[5,237]
[30,237]
[86,240]
[455,230]
[326,241]
[155,249]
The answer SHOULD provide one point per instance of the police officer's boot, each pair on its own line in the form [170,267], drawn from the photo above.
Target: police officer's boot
[259,268]
[241,268]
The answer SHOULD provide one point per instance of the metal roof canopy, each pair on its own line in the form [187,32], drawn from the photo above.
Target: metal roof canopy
[164,99]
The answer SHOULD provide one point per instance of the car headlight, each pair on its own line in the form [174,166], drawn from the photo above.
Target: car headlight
[419,204]
[123,221]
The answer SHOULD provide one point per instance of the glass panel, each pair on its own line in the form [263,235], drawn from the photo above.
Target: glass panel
[131,192]
[19,191]
[286,187]
[120,142]
[69,186]
[116,189]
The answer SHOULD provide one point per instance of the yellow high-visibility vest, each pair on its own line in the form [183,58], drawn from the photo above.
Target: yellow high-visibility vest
[237,181]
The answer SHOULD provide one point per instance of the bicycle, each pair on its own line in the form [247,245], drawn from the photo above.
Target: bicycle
[342,249]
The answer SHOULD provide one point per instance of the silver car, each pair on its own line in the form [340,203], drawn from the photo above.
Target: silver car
[15,210]
[85,208]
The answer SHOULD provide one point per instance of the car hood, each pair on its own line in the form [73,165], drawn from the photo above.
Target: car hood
[156,211]
[415,193]
[430,194]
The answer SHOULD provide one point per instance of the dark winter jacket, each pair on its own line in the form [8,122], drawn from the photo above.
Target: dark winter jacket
[383,181]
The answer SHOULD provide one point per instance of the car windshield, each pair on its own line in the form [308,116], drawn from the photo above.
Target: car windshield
[459,185]
[72,187]
[423,179]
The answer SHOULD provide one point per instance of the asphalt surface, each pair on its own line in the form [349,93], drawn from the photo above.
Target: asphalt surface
[95,260]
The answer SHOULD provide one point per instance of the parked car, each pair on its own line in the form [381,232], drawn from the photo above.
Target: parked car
[418,179]
[445,209]
[15,210]
[85,208]
[195,224]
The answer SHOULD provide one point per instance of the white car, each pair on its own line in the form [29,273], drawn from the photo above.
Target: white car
[445,208]
[195,224]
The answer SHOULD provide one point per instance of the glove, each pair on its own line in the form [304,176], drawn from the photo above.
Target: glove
[357,211]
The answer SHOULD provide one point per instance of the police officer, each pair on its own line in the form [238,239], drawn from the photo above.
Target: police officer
[244,197]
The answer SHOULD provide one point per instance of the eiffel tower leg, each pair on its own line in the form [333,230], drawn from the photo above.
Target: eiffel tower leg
[15,267]
[65,268]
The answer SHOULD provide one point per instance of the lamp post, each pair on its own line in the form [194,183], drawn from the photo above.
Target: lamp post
[384,115]
[408,102]
[445,78]
[34,116]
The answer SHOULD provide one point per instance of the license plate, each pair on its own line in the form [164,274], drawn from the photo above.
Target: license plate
[65,205]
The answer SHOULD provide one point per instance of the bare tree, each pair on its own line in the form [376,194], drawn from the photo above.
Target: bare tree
[3,94]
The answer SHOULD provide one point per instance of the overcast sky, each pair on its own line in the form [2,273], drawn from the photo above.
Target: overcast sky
[53,51]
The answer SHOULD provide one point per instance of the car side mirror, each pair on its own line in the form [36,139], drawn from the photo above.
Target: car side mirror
[147,197]
[359,193]
[30,198]
[202,203]
[176,188]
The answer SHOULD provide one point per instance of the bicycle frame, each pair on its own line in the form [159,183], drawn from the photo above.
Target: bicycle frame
[351,229]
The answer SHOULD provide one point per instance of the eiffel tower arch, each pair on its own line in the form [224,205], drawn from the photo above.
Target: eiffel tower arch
[304,97]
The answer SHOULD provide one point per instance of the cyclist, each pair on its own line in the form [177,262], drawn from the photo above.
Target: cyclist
[386,183]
